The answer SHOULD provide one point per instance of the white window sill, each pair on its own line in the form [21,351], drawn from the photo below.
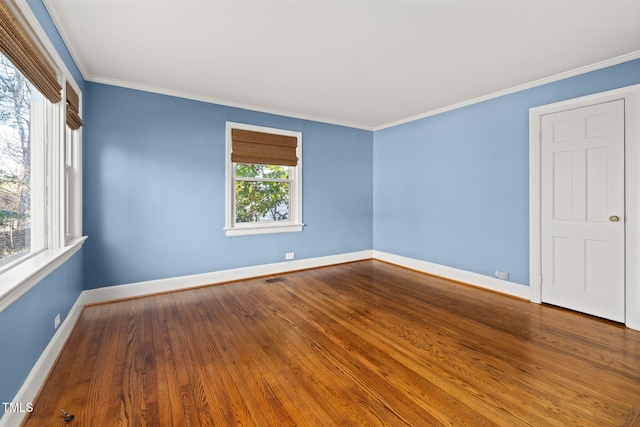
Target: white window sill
[16,281]
[242,230]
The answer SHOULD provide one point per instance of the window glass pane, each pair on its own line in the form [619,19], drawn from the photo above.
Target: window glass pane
[68,183]
[16,97]
[244,170]
[259,201]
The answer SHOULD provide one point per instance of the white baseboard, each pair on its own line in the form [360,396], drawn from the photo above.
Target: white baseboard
[110,293]
[475,279]
[40,370]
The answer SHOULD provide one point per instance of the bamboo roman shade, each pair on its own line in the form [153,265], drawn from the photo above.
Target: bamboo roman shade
[263,148]
[73,109]
[17,45]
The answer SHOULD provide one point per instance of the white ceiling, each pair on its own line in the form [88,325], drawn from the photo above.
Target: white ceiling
[364,63]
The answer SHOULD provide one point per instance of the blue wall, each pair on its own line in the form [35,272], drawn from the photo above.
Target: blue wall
[154,186]
[26,326]
[453,188]
[40,11]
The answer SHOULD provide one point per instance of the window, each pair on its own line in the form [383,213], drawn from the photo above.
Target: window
[22,115]
[264,180]
[72,158]
[40,157]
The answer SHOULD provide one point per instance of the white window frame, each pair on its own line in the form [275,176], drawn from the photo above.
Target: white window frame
[57,206]
[40,133]
[72,179]
[294,223]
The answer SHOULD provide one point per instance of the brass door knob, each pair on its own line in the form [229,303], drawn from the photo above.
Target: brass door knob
[614,218]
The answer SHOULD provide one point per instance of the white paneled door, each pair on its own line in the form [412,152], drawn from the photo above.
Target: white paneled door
[583,210]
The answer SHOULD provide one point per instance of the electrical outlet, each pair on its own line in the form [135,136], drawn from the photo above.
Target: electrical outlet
[502,275]
[56,321]
[289,255]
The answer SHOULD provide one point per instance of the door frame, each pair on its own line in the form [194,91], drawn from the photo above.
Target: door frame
[631,97]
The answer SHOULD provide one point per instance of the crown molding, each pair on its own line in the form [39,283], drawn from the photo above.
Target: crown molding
[564,75]
[571,73]
[219,101]
[31,24]
[65,38]
[212,100]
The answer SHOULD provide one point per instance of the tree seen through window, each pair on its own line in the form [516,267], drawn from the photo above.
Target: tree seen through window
[15,162]
[261,192]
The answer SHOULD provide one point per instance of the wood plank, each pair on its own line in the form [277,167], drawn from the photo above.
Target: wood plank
[366,343]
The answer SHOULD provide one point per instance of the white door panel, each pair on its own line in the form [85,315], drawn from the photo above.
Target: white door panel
[582,188]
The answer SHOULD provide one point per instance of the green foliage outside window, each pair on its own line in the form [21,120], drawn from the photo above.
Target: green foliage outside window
[260,193]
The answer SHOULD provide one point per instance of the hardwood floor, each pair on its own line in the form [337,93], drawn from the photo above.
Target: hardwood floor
[358,344]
